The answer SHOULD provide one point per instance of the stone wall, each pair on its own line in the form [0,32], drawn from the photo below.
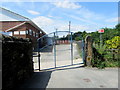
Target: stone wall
[88,50]
[17,64]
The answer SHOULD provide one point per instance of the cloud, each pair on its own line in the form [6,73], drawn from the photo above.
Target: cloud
[73,28]
[67,4]
[54,17]
[33,12]
[81,19]
[42,21]
[49,25]
[112,20]
[88,14]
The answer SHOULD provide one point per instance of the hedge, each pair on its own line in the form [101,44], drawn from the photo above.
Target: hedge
[17,64]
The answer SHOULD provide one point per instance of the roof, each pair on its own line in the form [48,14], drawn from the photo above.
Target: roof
[5,25]
[7,15]
[15,26]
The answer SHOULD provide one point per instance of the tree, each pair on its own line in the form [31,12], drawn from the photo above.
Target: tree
[77,38]
[117,26]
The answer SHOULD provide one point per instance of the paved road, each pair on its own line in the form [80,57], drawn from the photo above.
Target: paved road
[74,77]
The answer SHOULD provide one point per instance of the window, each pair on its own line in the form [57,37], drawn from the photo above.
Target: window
[10,33]
[30,31]
[36,34]
[16,32]
[40,32]
[22,33]
[27,32]
[33,33]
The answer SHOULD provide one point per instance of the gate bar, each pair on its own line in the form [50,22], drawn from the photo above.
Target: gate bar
[83,53]
[71,50]
[54,42]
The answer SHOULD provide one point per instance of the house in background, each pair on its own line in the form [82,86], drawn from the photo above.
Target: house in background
[19,26]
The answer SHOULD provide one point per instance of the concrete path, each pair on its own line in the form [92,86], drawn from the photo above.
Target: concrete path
[74,77]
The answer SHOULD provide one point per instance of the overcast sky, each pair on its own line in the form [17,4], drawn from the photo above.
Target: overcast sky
[88,16]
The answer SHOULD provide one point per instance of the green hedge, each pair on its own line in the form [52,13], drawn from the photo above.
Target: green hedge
[17,64]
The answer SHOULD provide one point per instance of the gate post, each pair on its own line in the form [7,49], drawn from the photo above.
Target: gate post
[71,50]
[54,42]
[39,61]
[88,50]
[38,54]
[83,51]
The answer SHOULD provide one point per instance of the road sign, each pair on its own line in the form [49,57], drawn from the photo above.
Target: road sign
[101,31]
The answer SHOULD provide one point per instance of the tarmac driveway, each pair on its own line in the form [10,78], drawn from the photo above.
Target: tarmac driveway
[74,77]
[84,78]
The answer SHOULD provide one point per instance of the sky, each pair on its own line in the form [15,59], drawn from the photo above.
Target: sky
[84,16]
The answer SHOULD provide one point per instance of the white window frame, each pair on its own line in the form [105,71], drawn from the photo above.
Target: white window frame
[16,32]
[40,32]
[22,32]
[30,31]
[34,33]
[27,32]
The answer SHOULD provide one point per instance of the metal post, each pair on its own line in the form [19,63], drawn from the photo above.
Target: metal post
[56,32]
[38,55]
[100,40]
[83,55]
[54,42]
[71,49]
[69,25]
[39,61]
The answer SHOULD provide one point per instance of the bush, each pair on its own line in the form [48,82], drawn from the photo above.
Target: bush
[103,58]
[77,38]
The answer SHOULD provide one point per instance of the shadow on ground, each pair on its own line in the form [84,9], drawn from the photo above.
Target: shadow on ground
[47,48]
[38,80]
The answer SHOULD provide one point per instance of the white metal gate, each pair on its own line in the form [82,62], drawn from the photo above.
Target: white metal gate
[55,50]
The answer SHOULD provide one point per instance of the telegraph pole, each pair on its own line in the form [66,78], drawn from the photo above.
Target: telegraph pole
[69,25]
[56,31]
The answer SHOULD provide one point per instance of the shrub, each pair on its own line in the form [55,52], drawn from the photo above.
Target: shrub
[77,38]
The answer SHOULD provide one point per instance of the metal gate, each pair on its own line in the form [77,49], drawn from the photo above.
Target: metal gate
[57,50]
